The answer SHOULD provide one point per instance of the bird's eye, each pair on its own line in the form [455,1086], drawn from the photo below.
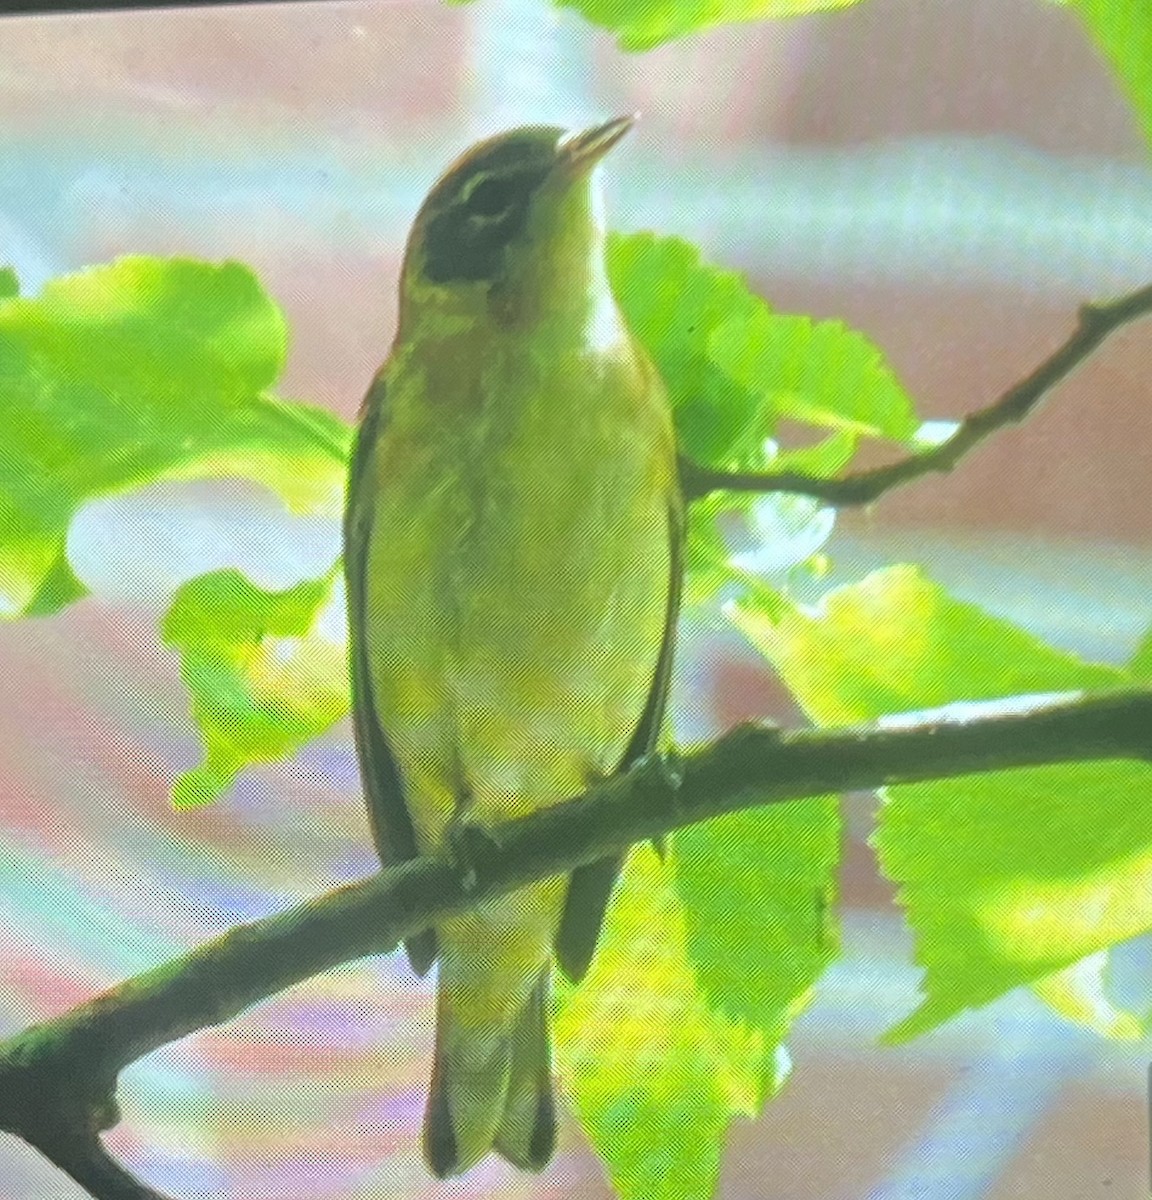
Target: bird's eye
[491,197]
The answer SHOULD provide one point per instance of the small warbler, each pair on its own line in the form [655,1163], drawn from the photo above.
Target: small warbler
[513,552]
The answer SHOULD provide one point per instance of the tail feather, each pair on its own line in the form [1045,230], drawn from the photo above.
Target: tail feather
[493,1095]
[527,1132]
[470,1070]
[439,1138]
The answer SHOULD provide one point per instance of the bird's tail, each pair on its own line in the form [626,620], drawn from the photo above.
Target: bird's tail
[491,1092]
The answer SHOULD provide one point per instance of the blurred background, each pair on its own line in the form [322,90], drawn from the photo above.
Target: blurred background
[951,178]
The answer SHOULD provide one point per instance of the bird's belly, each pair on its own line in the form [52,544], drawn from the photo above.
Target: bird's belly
[518,605]
[562,601]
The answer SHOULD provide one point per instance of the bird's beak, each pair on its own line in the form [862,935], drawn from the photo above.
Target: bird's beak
[578,153]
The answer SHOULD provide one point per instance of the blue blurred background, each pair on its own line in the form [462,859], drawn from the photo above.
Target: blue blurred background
[951,178]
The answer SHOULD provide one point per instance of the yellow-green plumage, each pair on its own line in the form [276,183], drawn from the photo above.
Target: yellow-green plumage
[513,547]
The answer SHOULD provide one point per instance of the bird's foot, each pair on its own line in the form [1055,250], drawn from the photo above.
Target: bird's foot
[469,843]
[662,770]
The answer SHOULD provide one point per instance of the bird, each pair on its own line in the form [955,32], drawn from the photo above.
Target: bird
[513,553]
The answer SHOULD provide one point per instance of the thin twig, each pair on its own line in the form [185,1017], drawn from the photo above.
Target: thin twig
[1096,322]
[58,1079]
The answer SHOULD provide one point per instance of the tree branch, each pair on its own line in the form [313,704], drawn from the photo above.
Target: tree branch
[1096,322]
[58,1079]
[97,1172]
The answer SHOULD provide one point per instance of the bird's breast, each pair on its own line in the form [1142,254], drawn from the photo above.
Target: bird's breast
[519,565]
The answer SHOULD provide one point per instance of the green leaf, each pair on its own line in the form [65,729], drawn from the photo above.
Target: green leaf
[1141,664]
[896,642]
[1008,877]
[640,26]
[706,557]
[655,1073]
[673,302]
[263,680]
[1122,29]
[819,372]
[9,283]
[734,369]
[758,889]
[136,371]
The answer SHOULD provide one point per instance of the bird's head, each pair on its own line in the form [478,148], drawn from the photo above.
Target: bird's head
[513,230]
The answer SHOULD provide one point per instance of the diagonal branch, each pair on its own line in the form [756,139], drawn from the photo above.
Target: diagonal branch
[97,1172]
[1096,322]
[58,1079]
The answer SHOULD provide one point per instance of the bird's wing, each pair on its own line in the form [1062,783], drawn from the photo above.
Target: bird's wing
[591,885]
[384,789]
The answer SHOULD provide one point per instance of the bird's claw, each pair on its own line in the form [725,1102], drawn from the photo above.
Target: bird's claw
[468,845]
[664,770]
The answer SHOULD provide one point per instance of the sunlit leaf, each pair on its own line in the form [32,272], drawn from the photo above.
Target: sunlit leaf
[640,26]
[1141,664]
[673,302]
[759,891]
[1122,29]
[818,372]
[734,369]
[1007,877]
[1080,993]
[263,678]
[136,371]
[656,1074]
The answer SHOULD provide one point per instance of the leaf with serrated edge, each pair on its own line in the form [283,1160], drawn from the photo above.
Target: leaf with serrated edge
[655,1074]
[1006,878]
